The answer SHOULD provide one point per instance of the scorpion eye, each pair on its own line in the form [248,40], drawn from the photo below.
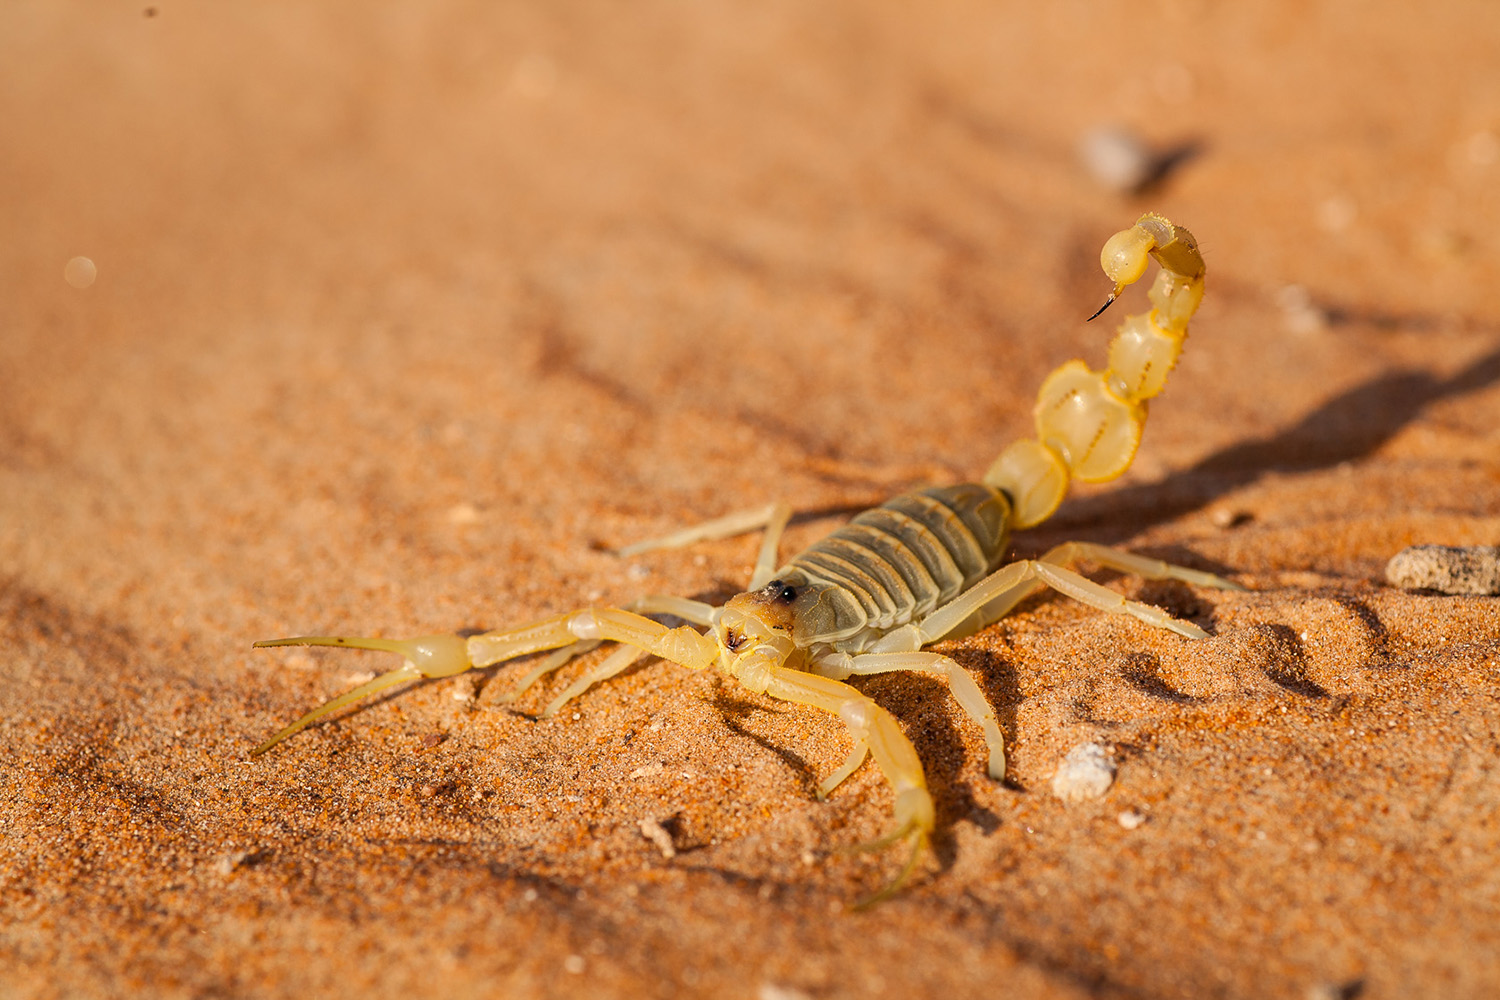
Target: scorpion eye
[781,590]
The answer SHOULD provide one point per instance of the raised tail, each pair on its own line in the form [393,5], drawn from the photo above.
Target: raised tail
[1089,423]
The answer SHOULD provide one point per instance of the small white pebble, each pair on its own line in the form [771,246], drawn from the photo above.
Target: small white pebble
[467,689]
[1085,773]
[773,991]
[227,864]
[648,771]
[1230,517]
[80,272]
[463,513]
[1116,157]
[1299,312]
[1130,819]
[653,831]
[1447,569]
[573,964]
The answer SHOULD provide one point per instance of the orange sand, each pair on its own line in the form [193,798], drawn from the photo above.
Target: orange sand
[405,312]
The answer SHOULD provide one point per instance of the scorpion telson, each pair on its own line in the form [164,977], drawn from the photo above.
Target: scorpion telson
[921,567]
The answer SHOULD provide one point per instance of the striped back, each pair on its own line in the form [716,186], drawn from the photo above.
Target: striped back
[900,560]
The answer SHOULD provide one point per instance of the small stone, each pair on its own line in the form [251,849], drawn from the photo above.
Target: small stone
[1085,773]
[1130,819]
[775,991]
[1299,312]
[466,689]
[464,513]
[653,831]
[1230,517]
[227,864]
[232,862]
[1116,157]
[1447,569]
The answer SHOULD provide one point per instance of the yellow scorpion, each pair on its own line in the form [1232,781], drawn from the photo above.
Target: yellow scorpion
[921,567]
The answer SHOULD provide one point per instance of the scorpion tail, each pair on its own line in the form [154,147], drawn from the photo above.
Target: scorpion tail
[1089,423]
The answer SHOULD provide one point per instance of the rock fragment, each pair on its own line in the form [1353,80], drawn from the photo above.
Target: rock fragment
[1474,569]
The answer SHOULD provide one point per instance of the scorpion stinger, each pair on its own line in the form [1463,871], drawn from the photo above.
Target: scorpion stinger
[920,567]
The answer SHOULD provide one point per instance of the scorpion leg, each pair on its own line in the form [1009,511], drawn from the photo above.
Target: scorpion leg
[1081,588]
[849,766]
[765,561]
[612,664]
[446,655]
[549,665]
[1129,562]
[875,728]
[965,691]
[1116,559]
[993,597]
[653,604]
[772,517]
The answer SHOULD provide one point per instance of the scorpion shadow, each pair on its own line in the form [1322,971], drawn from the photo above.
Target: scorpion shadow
[1347,427]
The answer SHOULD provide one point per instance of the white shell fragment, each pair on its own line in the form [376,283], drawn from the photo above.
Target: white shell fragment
[1474,569]
[1085,773]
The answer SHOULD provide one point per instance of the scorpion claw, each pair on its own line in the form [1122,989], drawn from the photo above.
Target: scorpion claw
[426,656]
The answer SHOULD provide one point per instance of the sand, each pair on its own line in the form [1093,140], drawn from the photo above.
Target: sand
[395,319]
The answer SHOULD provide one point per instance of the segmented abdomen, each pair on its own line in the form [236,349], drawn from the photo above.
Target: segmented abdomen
[898,561]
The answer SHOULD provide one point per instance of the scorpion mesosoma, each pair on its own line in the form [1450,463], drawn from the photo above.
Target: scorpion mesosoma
[869,597]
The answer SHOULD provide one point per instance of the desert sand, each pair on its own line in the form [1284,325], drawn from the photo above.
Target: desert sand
[396,319]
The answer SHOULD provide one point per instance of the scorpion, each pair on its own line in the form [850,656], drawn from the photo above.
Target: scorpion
[921,567]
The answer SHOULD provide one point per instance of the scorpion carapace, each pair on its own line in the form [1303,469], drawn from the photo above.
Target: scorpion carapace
[920,567]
